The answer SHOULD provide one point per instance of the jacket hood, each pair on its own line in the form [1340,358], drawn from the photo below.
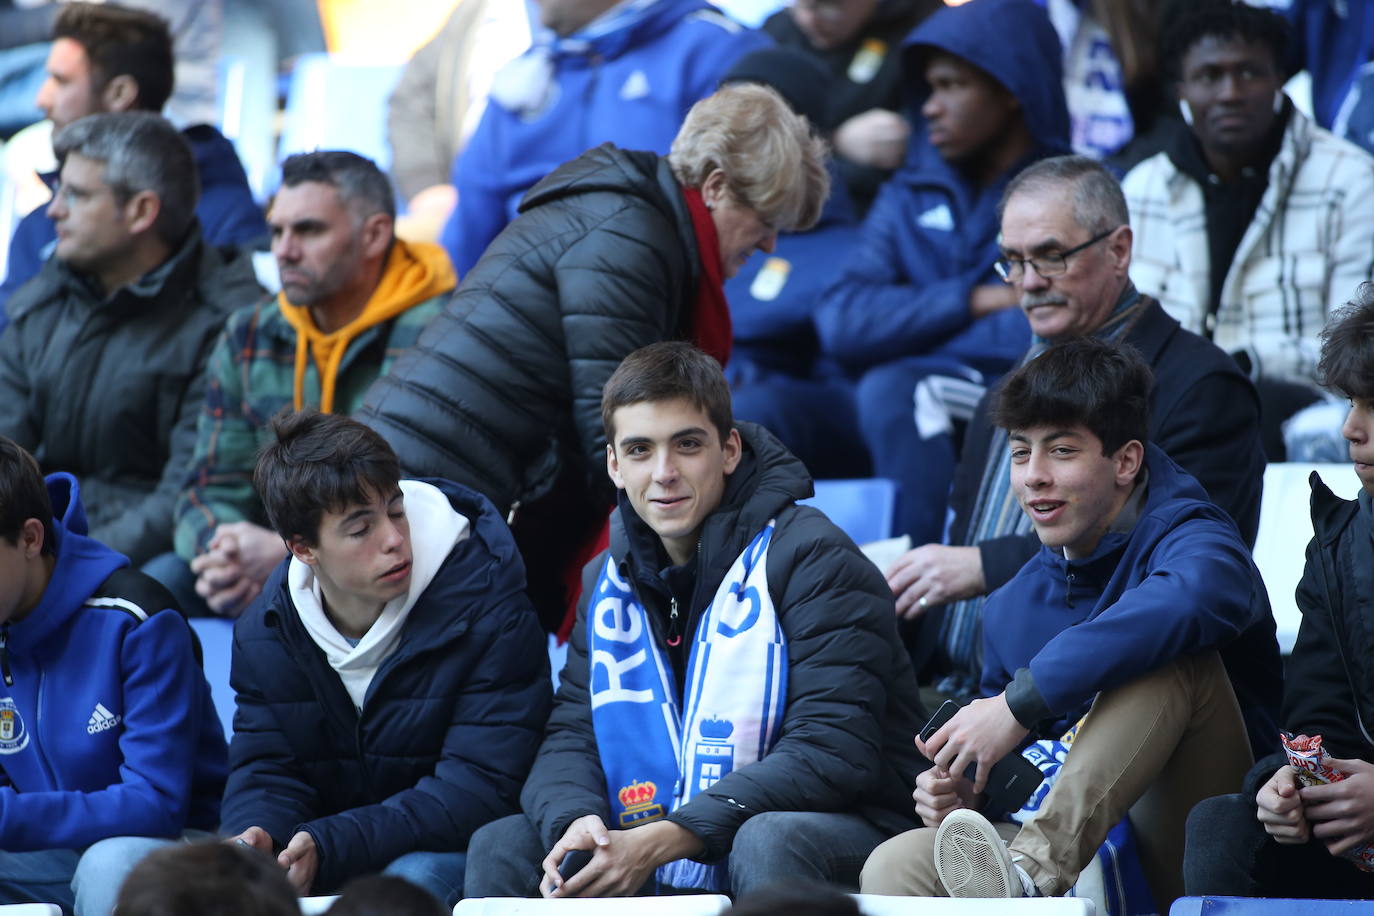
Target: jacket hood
[82,565]
[489,562]
[415,272]
[609,169]
[217,163]
[1030,66]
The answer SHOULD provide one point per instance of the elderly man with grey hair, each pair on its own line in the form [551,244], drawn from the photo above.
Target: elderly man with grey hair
[101,367]
[1066,252]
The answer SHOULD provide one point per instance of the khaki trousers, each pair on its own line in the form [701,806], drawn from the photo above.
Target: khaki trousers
[1153,748]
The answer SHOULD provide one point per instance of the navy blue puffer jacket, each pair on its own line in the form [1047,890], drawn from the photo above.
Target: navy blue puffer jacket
[448,728]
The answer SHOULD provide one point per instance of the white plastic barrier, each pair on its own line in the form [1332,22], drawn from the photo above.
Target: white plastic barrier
[676,905]
[1284,530]
[875,905]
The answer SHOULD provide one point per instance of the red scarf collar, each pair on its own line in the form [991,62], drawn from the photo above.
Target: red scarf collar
[711,330]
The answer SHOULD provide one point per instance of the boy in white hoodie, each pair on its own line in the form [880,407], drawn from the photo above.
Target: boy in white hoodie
[392,689]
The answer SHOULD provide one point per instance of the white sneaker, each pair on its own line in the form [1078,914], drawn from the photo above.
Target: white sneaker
[971,858]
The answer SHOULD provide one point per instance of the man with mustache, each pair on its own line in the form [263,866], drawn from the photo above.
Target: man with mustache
[1066,249]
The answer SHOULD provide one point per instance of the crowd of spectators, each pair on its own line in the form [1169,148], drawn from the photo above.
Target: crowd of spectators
[1070,273]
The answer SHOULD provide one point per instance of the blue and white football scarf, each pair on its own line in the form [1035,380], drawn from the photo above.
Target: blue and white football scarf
[657,757]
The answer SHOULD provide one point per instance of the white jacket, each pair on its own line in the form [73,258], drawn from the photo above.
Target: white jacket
[1307,249]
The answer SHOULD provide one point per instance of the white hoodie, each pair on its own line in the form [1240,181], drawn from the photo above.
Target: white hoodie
[435,528]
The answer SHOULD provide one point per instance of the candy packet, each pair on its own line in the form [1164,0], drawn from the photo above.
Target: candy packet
[1312,763]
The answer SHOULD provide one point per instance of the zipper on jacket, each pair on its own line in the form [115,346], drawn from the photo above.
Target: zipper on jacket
[1068,589]
[38,744]
[674,637]
[5,655]
[1336,633]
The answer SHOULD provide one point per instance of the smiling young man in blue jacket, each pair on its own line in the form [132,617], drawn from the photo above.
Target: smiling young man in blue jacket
[109,742]
[1143,616]
[392,681]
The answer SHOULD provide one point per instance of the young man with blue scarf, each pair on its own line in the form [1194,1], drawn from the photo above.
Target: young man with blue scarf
[1142,617]
[736,708]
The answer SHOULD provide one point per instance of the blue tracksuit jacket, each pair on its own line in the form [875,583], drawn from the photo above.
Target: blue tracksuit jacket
[106,723]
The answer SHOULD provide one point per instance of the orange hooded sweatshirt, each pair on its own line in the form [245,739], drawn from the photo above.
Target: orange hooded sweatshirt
[415,272]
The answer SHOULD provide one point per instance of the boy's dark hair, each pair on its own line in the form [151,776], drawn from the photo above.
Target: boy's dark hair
[1228,20]
[318,463]
[385,895]
[1347,360]
[667,371]
[361,185]
[1082,382]
[209,879]
[122,42]
[23,494]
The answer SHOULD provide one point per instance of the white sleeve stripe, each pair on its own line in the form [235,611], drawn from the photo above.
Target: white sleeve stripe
[120,603]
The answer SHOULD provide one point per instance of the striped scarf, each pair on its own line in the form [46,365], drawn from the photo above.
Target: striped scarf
[997,514]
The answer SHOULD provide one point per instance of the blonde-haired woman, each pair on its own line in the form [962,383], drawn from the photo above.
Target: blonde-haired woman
[612,251]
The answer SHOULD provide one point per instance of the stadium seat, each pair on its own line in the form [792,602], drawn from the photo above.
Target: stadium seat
[1284,530]
[875,905]
[311,906]
[682,905]
[863,508]
[1268,906]
[216,643]
[30,909]
[334,105]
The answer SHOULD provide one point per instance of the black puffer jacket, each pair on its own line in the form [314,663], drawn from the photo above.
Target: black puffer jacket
[1329,678]
[852,705]
[504,386]
[109,388]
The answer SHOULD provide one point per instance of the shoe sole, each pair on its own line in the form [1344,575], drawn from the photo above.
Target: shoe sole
[971,858]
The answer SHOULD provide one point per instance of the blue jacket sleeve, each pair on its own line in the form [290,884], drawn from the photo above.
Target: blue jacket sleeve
[493,733]
[480,214]
[881,308]
[153,795]
[1198,594]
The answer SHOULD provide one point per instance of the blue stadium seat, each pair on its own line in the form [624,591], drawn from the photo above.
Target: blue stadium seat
[862,508]
[334,105]
[216,643]
[1267,906]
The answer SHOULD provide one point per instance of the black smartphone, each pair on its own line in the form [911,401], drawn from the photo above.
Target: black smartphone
[573,862]
[1011,780]
[942,715]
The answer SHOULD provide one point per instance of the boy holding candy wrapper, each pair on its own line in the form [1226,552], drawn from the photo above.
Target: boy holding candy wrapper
[1305,823]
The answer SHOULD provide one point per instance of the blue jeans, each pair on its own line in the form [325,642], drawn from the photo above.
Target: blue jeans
[771,847]
[85,881]
[175,575]
[439,873]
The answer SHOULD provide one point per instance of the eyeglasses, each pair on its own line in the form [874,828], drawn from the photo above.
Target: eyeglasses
[1046,265]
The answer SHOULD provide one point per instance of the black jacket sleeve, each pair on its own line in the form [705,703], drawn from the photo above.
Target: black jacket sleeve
[567,781]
